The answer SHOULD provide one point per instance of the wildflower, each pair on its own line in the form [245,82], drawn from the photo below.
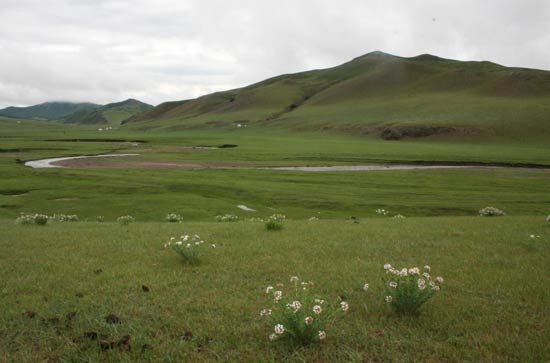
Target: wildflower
[295,305]
[427,268]
[393,284]
[345,306]
[414,271]
[308,320]
[436,288]
[403,272]
[317,309]
[421,284]
[268,289]
[279,329]
[426,275]
[387,266]
[322,335]
[365,287]
[272,336]
[265,312]
[277,295]
[179,243]
[213,245]
[294,279]
[188,245]
[389,299]
[439,279]
[319,301]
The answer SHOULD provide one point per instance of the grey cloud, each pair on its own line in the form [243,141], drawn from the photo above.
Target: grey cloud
[104,51]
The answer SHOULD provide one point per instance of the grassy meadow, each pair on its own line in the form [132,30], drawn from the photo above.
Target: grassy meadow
[61,280]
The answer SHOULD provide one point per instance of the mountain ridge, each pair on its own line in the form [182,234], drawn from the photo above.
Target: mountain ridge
[47,110]
[374,91]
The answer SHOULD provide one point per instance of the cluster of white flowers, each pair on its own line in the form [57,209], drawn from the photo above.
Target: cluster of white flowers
[297,315]
[65,217]
[187,241]
[36,218]
[108,128]
[399,216]
[277,217]
[174,218]
[381,211]
[491,212]
[313,218]
[125,220]
[548,218]
[227,218]
[399,291]
[188,247]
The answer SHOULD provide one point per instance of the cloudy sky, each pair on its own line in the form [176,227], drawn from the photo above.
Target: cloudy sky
[109,50]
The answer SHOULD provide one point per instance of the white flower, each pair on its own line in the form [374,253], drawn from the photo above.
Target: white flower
[295,305]
[319,301]
[436,288]
[277,295]
[393,284]
[426,275]
[317,309]
[344,305]
[389,298]
[188,245]
[322,335]
[272,336]
[387,266]
[178,243]
[403,272]
[439,279]
[414,271]
[265,312]
[365,287]
[427,268]
[308,320]
[294,279]
[268,289]
[172,238]
[421,284]
[213,245]
[197,243]
[279,329]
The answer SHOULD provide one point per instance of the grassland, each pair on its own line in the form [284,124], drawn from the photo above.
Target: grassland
[493,306]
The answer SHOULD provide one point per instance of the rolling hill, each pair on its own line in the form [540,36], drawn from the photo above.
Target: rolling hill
[112,113]
[47,110]
[380,94]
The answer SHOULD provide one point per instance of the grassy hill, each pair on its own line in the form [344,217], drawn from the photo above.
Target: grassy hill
[112,113]
[47,110]
[418,96]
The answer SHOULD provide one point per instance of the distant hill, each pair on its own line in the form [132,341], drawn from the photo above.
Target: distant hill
[417,96]
[47,110]
[112,113]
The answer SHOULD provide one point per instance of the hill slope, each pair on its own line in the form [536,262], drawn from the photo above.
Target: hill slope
[417,96]
[47,110]
[112,113]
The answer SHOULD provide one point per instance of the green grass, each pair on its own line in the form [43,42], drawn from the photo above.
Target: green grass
[493,306]
[484,101]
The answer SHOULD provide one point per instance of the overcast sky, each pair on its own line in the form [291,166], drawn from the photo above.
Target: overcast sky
[106,51]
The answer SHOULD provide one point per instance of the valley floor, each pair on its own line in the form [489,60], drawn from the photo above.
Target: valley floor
[493,305]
